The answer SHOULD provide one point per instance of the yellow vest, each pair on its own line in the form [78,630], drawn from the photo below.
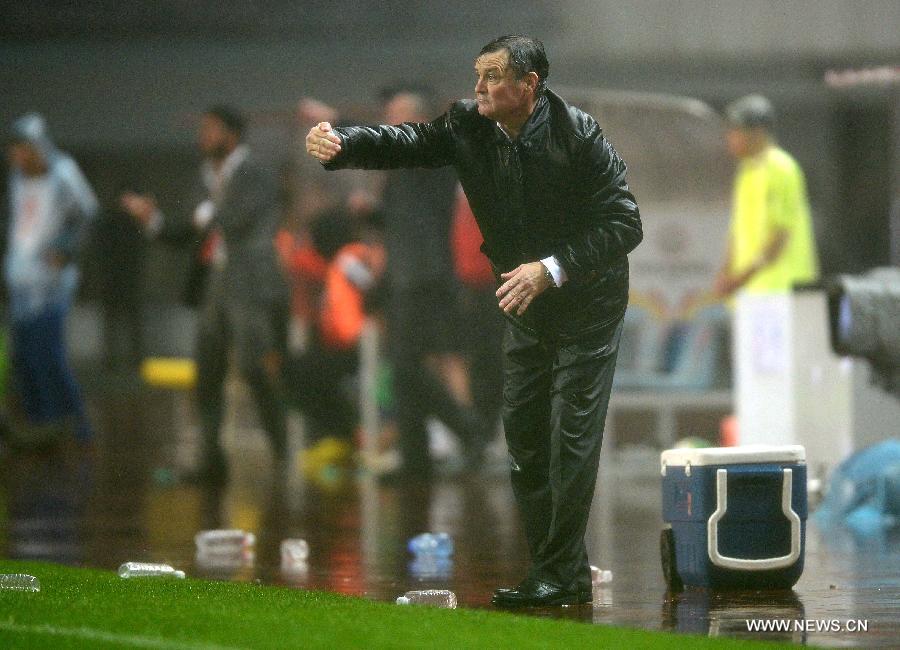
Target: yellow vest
[769,194]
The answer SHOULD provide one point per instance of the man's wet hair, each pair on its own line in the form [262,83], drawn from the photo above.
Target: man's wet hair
[229,116]
[526,54]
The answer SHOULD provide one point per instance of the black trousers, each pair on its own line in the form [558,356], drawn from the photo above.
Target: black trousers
[555,398]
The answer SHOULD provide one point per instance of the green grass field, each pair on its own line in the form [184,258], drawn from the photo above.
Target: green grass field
[85,608]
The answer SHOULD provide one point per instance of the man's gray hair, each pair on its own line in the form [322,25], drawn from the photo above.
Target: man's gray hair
[526,54]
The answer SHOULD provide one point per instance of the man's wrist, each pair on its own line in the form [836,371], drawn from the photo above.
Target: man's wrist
[557,274]
[548,275]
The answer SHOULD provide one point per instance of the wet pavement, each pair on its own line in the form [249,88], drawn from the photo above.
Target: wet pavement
[121,501]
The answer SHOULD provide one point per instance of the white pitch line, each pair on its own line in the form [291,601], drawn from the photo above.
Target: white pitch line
[111,637]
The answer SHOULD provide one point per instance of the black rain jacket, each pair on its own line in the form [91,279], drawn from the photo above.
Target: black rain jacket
[558,189]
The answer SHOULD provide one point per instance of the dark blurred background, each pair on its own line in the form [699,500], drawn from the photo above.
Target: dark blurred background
[122,83]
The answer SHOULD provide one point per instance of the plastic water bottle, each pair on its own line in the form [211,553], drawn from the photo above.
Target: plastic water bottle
[294,551]
[19,582]
[228,543]
[437,544]
[431,597]
[148,570]
[600,576]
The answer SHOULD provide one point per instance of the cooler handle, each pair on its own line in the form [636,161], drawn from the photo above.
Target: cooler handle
[762,564]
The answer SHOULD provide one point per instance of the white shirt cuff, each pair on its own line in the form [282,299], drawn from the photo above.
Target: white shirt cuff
[558,272]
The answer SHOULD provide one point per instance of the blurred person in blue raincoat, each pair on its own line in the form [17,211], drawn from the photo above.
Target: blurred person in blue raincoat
[50,206]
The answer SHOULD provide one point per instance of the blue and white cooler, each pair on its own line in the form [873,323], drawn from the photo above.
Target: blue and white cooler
[736,516]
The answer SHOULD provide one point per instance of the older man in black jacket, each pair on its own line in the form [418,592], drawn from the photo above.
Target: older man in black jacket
[558,220]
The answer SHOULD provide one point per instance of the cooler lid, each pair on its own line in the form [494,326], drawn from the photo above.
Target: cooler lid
[733,455]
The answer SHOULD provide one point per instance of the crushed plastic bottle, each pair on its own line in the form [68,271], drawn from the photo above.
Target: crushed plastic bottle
[294,551]
[436,544]
[148,570]
[431,597]
[19,582]
[600,576]
[225,543]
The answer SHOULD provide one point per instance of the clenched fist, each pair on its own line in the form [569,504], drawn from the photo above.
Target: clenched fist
[322,143]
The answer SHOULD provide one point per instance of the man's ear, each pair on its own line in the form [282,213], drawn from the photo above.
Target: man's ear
[531,80]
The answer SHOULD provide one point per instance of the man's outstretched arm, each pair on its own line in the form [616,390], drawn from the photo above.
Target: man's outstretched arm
[425,144]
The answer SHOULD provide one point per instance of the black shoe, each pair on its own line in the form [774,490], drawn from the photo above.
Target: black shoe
[535,593]
[499,591]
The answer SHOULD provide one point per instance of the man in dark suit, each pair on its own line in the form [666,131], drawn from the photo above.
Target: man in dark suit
[244,306]
[558,220]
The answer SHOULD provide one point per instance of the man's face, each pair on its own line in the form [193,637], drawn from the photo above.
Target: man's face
[25,157]
[498,93]
[214,138]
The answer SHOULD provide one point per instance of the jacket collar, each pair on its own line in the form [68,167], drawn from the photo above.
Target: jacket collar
[534,126]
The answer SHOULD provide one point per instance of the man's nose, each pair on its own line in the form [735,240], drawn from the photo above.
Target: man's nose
[479,86]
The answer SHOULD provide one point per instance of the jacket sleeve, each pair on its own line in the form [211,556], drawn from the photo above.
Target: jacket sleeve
[424,144]
[613,221]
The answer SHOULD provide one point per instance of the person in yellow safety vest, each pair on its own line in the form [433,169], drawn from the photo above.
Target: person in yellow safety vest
[770,243]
